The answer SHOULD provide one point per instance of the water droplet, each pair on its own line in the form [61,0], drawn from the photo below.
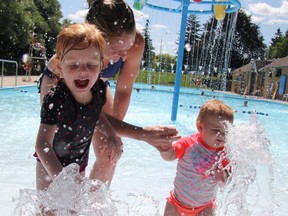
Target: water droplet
[47,178]
[46,150]
[188,47]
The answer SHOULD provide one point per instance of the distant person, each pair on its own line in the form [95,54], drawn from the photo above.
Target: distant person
[72,110]
[199,169]
[245,103]
[202,93]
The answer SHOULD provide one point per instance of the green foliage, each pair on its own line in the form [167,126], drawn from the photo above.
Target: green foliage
[19,20]
[163,62]
[66,22]
[51,13]
[192,47]
[168,79]
[148,53]
[248,40]
[279,46]
[16,27]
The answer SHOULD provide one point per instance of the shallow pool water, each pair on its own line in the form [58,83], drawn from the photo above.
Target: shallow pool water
[142,179]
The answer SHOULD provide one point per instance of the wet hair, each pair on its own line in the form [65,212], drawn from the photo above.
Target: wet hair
[77,37]
[112,17]
[215,107]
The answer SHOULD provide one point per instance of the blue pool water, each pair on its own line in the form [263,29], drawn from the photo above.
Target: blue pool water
[142,179]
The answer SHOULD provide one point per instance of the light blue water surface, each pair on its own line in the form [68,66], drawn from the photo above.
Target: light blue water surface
[141,174]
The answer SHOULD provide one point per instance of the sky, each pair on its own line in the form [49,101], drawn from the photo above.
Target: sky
[165,27]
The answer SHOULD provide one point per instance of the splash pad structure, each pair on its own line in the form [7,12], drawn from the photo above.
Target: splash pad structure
[200,7]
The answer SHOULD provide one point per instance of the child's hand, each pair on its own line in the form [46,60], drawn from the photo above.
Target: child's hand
[161,137]
[112,148]
[219,173]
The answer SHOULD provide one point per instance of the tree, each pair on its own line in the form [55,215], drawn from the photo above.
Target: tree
[168,62]
[51,13]
[66,22]
[216,45]
[279,45]
[20,20]
[248,40]
[148,53]
[16,29]
[277,37]
[192,36]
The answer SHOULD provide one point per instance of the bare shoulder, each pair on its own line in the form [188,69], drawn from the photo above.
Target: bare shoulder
[139,40]
[138,47]
[133,60]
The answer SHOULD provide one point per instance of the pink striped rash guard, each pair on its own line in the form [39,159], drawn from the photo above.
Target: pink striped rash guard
[191,186]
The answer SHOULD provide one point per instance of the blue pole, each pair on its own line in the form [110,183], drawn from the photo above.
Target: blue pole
[185,4]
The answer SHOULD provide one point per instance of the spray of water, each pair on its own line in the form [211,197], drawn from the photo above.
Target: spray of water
[69,194]
[72,194]
[250,189]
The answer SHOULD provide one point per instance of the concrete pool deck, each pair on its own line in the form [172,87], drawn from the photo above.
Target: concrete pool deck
[9,81]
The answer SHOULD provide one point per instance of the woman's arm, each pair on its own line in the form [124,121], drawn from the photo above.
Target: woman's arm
[127,77]
[161,137]
[45,150]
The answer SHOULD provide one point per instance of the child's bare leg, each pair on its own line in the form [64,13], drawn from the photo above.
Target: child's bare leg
[170,210]
[103,169]
[209,211]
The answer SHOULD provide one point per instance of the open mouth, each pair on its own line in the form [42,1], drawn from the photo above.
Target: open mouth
[81,83]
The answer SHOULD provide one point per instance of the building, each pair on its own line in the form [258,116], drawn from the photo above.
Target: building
[266,78]
[276,73]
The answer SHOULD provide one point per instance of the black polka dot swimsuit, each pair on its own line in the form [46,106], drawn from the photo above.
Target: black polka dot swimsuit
[75,122]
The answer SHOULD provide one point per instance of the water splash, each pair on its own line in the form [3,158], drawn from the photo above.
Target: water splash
[68,194]
[138,205]
[250,189]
